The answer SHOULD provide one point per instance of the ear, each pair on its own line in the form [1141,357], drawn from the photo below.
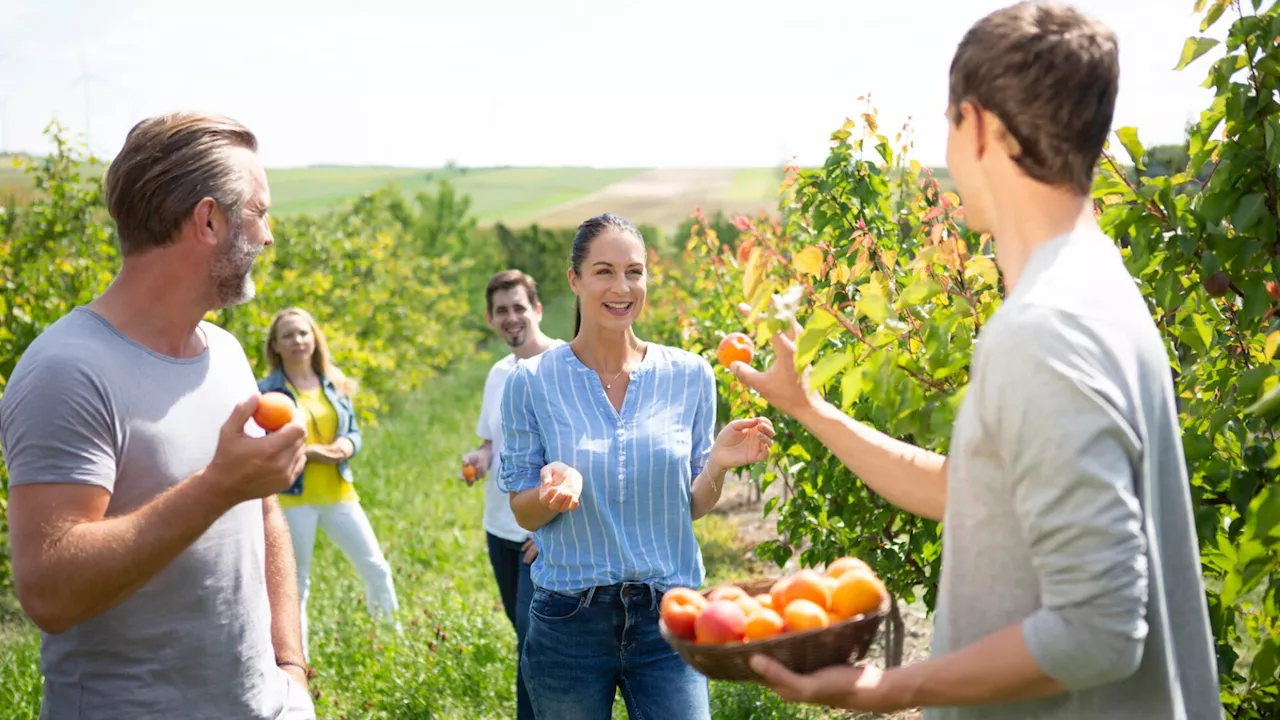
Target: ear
[996,135]
[573,280]
[208,221]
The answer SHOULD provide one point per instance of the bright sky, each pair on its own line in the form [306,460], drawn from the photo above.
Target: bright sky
[649,83]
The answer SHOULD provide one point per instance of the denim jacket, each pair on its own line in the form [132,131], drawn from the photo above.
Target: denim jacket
[347,427]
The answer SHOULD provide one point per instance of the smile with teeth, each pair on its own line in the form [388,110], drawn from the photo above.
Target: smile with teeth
[618,308]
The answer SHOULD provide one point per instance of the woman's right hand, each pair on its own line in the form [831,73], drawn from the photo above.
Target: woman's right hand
[561,487]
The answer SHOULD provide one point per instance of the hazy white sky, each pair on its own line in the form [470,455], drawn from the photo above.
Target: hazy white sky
[533,82]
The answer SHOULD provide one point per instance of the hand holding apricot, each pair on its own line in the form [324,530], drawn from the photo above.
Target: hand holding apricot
[249,468]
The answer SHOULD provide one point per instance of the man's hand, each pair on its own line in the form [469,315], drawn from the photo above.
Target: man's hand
[297,674]
[248,468]
[478,459]
[530,549]
[561,487]
[862,688]
[779,384]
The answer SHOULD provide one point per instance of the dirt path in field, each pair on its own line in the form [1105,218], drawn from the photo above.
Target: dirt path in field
[739,505]
[663,197]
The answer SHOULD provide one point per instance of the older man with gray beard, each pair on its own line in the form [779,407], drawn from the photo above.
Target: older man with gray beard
[147,543]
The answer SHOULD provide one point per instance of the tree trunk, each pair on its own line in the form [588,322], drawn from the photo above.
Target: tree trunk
[895,631]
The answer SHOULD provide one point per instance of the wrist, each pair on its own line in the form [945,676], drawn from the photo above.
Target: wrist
[215,488]
[814,408]
[900,686]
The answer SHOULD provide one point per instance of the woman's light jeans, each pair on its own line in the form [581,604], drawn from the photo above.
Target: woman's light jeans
[346,524]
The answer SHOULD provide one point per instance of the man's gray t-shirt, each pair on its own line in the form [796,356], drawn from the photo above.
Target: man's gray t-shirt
[1068,502]
[88,405]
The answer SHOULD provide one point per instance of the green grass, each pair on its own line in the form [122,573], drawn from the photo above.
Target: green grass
[457,656]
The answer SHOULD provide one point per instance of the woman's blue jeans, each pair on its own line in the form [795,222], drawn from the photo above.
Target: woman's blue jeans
[580,649]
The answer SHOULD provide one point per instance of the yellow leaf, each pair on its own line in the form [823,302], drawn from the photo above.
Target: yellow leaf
[1273,341]
[809,261]
[984,268]
[752,274]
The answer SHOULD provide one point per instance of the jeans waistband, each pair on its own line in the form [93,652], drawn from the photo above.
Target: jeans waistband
[619,594]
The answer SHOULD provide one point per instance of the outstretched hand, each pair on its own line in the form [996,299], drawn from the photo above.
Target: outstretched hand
[561,487]
[743,442]
[779,384]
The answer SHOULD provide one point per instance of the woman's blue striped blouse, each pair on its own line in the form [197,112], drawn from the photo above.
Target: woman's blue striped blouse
[633,522]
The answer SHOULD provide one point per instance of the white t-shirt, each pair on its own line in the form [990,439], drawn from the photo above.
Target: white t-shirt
[498,518]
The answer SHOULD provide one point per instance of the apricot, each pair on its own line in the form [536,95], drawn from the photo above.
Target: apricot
[809,585]
[722,621]
[765,600]
[857,593]
[469,472]
[735,347]
[680,608]
[764,624]
[749,605]
[778,593]
[802,615]
[275,410]
[727,592]
[844,565]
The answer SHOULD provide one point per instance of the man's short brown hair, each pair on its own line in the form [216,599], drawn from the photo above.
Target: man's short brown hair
[1051,74]
[168,164]
[506,280]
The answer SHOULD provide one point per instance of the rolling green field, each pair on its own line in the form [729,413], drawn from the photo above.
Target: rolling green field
[517,196]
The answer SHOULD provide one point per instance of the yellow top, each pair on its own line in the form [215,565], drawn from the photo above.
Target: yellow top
[322,484]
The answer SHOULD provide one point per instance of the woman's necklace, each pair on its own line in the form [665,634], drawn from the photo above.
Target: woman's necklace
[609,385]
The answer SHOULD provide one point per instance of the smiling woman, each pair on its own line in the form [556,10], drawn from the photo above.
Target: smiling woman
[609,455]
[322,497]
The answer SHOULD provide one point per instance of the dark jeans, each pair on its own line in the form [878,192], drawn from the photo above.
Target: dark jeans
[581,649]
[512,574]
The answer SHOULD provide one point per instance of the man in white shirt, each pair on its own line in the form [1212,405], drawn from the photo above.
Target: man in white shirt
[513,311]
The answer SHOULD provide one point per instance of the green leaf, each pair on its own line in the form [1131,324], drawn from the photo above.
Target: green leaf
[851,387]
[984,268]
[1129,139]
[1265,405]
[1263,669]
[1247,212]
[873,304]
[1202,327]
[820,320]
[1269,349]
[1194,48]
[810,342]
[827,368]
[918,292]
[1264,513]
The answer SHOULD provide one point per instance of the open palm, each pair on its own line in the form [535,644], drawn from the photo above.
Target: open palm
[743,442]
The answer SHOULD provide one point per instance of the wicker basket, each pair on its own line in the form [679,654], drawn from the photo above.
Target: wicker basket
[841,643]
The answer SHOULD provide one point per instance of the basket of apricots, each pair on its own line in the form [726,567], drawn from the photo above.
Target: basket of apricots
[807,620]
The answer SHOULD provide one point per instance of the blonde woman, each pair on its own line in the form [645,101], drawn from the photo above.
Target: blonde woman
[322,496]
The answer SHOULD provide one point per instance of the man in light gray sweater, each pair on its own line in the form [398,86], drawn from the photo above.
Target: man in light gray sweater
[1071,583]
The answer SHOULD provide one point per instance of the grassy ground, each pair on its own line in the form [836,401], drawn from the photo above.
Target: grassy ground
[457,657]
